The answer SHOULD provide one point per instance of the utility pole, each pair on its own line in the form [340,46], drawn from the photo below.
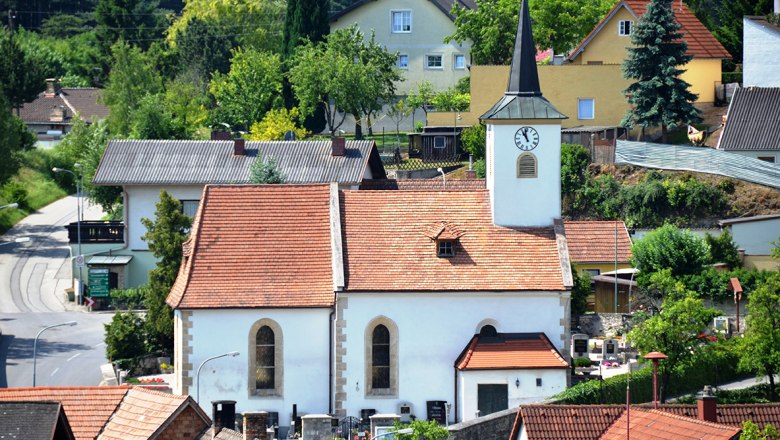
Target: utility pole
[11,18]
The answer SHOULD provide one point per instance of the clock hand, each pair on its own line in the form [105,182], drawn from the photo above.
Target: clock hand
[525,135]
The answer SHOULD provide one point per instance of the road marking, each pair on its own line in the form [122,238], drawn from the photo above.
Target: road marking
[54,372]
[100,345]
[74,357]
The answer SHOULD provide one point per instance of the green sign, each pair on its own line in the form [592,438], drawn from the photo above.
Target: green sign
[98,282]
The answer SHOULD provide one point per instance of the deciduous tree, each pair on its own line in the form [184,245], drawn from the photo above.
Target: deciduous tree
[15,138]
[276,124]
[760,345]
[669,247]
[124,336]
[21,78]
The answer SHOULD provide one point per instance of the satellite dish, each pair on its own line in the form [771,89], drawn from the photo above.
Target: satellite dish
[289,136]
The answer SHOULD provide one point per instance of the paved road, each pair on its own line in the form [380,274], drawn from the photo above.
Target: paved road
[33,278]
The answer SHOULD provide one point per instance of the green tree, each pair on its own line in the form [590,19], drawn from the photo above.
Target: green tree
[251,88]
[204,47]
[306,20]
[674,332]
[473,140]
[15,138]
[276,124]
[760,345]
[187,102]
[421,98]
[580,290]
[21,78]
[450,100]
[751,431]
[723,249]
[574,174]
[124,336]
[658,96]
[424,430]
[397,112]
[151,120]
[132,78]
[265,170]
[165,236]
[669,247]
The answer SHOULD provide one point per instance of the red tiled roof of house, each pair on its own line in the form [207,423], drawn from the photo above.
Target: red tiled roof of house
[258,246]
[434,184]
[509,351]
[659,425]
[87,408]
[701,42]
[594,241]
[566,422]
[144,413]
[733,414]
[386,248]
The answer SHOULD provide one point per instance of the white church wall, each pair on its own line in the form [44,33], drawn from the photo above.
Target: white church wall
[433,329]
[305,359]
[527,201]
[553,382]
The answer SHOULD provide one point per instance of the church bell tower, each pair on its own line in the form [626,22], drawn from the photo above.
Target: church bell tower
[523,143]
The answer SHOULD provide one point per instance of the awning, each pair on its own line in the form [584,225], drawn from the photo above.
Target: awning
[101,260]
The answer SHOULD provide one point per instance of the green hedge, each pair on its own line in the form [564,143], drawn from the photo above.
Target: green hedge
[718,366]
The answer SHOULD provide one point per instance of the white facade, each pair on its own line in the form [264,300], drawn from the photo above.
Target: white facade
[534,201]
[755,237]
[140,203]
[761,53]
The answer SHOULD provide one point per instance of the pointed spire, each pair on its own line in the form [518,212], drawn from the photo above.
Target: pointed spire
[523,77]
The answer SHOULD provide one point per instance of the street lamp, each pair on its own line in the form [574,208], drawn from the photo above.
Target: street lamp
[80,294]
[197,375]
[35,342]
[400,431]
[83,190]
[16,240]
[10,205]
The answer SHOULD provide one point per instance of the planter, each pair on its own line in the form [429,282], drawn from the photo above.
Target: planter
[71,294]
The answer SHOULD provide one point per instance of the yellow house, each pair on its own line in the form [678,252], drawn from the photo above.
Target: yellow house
[416,30]
[589,86]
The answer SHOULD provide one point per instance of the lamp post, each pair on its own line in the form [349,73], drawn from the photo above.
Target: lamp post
[80,294]
[655,356]
[197,375]
[81,194]
[16,240]
[10,205]
[400,431]
[35,342]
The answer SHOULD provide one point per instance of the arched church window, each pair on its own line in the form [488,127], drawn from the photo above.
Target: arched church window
[264,362]
[265,359]
[381,345]
[380,356]
[526,166]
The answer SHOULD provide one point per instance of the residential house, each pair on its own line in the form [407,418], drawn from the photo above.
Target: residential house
[751,124]
[590,83]
[182,168]
[52,114]
[433,303]
[34,421]
[754,237]
[760,52]
[119,412]
[416,31]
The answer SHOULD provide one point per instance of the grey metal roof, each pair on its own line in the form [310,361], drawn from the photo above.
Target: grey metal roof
[117,260]
[33,421]
[589,128]
[186,162]
[523,107]
[753,120]
[755,218]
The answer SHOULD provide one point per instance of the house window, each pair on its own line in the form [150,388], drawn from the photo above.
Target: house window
[433,61]
[770,159]
[624,27]
[439,142]
[538,381]
[381,358]
[526,166]
[460,61]
[586,108]
[445,248]
[403,61]
[190,207]
[265,359]
[592,272]
[401,21]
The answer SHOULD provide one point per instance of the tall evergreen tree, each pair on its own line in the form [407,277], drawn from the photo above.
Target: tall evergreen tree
[21,78]
[659,96]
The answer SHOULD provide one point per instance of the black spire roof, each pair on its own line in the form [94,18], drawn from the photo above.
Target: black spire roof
[523,98]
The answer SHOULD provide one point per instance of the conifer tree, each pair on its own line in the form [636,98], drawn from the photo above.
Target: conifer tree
[658,96]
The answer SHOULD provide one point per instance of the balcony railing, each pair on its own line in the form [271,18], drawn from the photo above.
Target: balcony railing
[97,232]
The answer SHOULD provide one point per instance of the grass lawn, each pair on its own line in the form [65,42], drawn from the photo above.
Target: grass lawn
[41,191]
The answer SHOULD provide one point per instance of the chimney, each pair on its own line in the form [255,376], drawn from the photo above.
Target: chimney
[707,406]
[223,415]
[52,87]
[238,147]
[255,425]
[471,174]
[338,145]
[220,135]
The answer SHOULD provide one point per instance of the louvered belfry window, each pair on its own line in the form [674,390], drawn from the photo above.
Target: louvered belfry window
[526,166]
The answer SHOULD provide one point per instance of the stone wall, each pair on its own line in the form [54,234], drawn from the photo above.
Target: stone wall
[496,426]
[602,324]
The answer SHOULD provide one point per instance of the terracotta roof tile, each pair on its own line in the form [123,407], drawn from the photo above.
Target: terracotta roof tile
[594,241]
[567,422]
[87,408]
[733,414]
[143,413]
[258,246]
[434,184]
[385,250]
[660,425]
[509,351]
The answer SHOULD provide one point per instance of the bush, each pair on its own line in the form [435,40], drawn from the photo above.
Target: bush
[723,249]
[669,248]
[275,125]
[124,337]
[473,140]
[15,192]
[582,362]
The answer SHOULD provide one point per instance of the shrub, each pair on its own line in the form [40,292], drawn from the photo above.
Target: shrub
[669,247]
[15,192]
[473,140]
[582,362]
[124,337]
[275,124]
[723,249]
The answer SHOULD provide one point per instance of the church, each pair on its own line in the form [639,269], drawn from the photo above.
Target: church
[444,304]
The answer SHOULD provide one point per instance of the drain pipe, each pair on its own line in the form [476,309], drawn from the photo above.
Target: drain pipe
[455,396]
[331,324]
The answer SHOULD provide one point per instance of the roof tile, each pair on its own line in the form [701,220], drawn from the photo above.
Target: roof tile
[594,241]
[659,425]
[510,351]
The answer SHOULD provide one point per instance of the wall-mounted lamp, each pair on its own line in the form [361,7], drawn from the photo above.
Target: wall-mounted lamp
[357,386]
[517,383]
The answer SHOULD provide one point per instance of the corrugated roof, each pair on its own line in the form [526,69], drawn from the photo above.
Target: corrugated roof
[598,241]
[187,162]
[753,122]
[659,425]
[510,351]
[755,218]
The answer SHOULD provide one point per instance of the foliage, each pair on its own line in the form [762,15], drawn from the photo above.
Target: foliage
[275,124]
[658,96]
[751,431]
[451,100]
[251,88]
[204,48]
[713,283]
[775,251]
[574,173]
[152,121]
[670,247]
[675,332]
[165,236]
[421,97]
[473,140]
[423,430]
[723,249]
[127,299]
[397,112]
[725,21]
[187,102]
[760,344]
[580,290]
[480,168]
[48,62]
[582,362]
[40,189]
[21,77]
[265,170]
[15,138]
[124,336]
[754,394]
[306,20]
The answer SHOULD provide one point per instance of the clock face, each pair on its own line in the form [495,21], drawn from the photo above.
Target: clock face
[527,138]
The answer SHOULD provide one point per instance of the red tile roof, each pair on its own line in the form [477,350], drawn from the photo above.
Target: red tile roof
[761,414]
[594,241]
[566,422]
[434,184]
[510,351]
[87,408]
[258,246]
[386,248]
[145,413]
[701,42]
[660,425]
